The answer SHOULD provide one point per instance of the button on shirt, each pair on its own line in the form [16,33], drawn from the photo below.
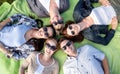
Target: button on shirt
[88,61]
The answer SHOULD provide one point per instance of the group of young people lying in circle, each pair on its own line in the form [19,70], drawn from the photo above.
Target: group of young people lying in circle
[22,37]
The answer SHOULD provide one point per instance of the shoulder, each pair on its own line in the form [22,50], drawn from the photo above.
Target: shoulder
[33,55]
[86,47]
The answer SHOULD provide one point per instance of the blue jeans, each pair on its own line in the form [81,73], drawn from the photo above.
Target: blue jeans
[94,32]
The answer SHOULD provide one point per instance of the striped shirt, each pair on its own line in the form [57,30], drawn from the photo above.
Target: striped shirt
[88,61]
[46,3]
[103,15]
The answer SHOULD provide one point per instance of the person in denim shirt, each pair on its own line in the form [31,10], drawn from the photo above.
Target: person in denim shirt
[18,29]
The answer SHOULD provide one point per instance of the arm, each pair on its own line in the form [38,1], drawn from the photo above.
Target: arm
[25,64]
[114,23]
[20,18]
[54,11]
[5,22]
[23,67]
[105,66]
[93,35]
[104,2]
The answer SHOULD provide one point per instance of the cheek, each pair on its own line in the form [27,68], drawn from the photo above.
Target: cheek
[68,32]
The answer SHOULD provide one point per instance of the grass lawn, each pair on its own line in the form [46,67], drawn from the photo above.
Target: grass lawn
[9,1]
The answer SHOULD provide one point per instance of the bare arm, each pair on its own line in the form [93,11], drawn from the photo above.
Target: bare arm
[54,11]
[3,23]
[105,66]
[114,23]
[104,2]
[23,67]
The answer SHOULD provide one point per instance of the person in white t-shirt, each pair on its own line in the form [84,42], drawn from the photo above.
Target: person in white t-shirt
[42,63]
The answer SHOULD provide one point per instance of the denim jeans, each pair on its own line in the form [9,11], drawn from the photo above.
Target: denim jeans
[95,33]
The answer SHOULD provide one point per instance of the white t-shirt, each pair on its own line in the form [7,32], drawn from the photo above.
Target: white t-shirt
[40,67]
[103,15]
[46,3]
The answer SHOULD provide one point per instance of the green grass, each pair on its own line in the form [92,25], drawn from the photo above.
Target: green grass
[9,1]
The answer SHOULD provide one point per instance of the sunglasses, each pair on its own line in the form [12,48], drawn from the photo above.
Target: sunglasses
[59,22]
[72,32]
[53,48]
[45,30]
[67,44]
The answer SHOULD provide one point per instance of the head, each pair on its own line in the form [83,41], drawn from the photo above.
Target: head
[70,31]
[45,32]
[50,46]
[67,46]
[57,23]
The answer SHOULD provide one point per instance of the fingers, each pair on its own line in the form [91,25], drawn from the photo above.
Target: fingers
[105,2]
[114,22]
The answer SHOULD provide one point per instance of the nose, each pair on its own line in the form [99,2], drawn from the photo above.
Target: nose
[68,48]
[59,26]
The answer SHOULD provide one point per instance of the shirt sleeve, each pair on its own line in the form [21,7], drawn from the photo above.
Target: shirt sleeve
[97,54]
[20,18]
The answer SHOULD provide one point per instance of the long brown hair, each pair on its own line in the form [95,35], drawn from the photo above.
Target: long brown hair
[37,43]
[77,38]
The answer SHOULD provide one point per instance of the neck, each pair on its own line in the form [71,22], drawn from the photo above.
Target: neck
[46,58]
[74,54]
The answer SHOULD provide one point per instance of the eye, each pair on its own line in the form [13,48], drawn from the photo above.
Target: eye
[64,47]
[60,22]
[72,32]
[53,48]
[46,34]
[48,45]
[70,27]
[68,44]
[55,23]
[45,29]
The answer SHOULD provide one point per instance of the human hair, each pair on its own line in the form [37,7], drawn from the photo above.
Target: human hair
[54,32]
[38,21]
[76,38]
[37,43]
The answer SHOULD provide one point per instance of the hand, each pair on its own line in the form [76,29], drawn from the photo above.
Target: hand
[1,26]
[3,23]
[114,23]
[105,2]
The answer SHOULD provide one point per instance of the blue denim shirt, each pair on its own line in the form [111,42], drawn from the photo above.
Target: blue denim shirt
[13,35]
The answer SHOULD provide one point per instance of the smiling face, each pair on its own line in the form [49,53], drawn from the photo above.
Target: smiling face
[44,32]
[58,25]
[57,22]
[68,47]
[50,47]
[73,29]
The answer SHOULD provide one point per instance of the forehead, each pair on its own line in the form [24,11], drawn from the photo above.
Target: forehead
[51,42]
[63,43]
